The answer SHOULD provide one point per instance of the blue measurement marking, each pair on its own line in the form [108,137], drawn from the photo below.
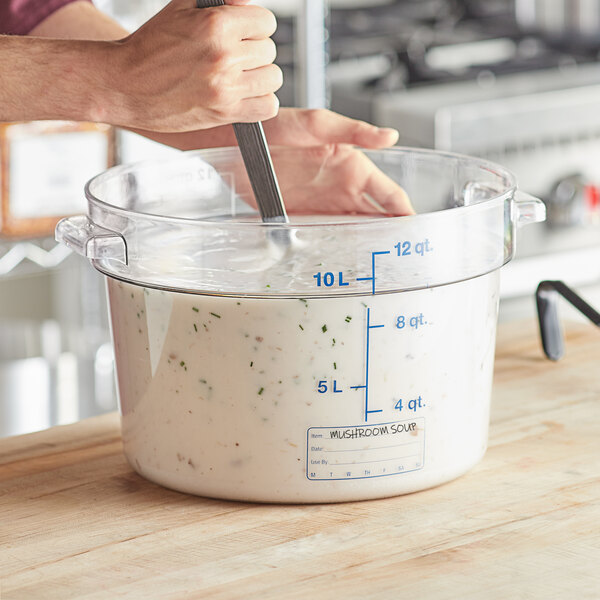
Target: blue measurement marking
[372,278]
[367,355]
[369,327]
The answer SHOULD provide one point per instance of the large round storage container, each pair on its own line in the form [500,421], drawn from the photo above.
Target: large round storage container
[334,358]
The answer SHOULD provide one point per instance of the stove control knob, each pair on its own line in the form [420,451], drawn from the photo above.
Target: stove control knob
[572,201]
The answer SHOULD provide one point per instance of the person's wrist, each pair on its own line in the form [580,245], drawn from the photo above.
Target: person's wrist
[108,100]
[85,85]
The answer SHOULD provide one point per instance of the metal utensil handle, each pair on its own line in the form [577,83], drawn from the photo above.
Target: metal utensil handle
[257,159]
[546,297]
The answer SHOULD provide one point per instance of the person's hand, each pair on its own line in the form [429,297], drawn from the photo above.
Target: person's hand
[320,170]
[324,173]
[336,178]
[189,68]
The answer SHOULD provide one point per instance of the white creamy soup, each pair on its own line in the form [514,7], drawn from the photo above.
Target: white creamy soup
[305,400]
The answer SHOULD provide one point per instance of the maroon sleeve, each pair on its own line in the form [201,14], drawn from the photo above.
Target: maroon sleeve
[19,17]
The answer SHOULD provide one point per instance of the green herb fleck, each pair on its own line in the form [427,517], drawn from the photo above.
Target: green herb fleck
[138,316]
[238,303]
[205,327]
[195,309]
[195,327]
[335,366]
[268,285]
[251,363]
[333,342]
[215,315]
[182,364]
[262,389]
[364,304]
[299,325]
[303,300]
[324,328]
[348,319]
[203,381]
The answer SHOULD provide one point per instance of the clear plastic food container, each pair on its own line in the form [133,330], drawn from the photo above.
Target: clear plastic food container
[334,358]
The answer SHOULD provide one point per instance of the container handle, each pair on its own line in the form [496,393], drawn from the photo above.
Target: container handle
[90,240]
[528,209]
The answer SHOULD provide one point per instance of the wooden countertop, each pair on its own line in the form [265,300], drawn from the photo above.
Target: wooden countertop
[77,522]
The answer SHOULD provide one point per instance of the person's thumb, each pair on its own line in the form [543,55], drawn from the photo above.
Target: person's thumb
[332,128]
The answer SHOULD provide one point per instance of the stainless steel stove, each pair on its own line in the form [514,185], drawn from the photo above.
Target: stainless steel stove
[466,77]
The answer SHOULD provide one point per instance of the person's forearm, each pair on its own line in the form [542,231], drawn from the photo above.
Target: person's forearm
[56,79]
[183,70]
[82,20]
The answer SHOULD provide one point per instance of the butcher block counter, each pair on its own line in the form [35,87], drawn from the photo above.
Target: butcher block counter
[77,522]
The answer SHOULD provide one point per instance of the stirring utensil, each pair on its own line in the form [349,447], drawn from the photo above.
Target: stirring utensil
[259,165]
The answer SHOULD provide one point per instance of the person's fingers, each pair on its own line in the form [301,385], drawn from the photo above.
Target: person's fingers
[380,137]
[262,81]
[257,53]
[329,128]
[247,22]
[258,109]
[381,191]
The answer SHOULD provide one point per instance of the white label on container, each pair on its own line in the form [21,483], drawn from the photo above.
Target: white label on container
[363,451]
[48,172]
